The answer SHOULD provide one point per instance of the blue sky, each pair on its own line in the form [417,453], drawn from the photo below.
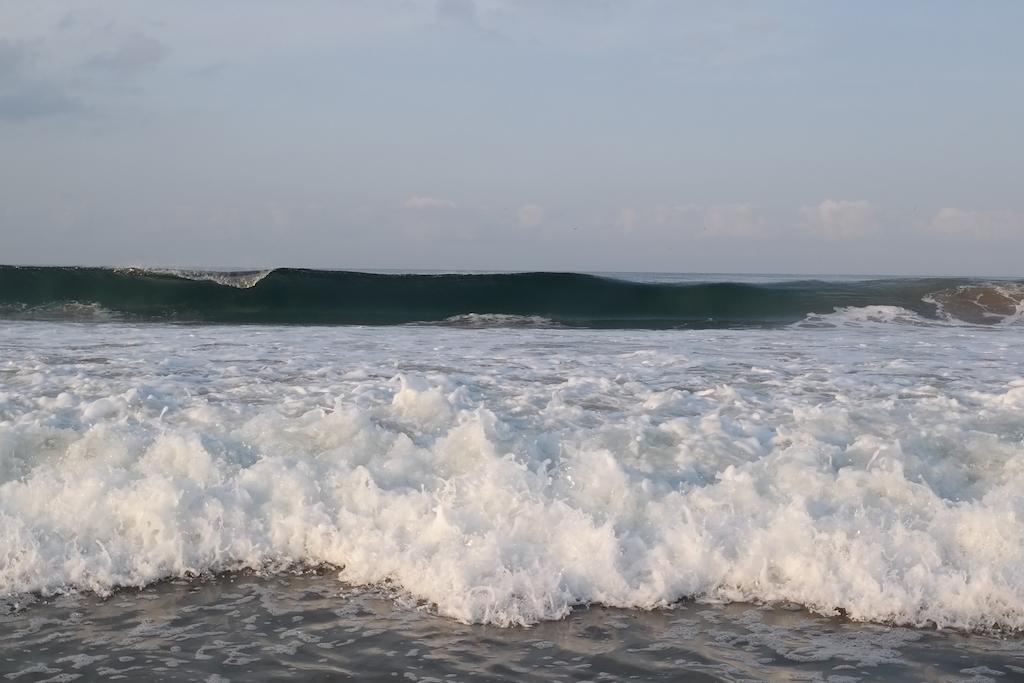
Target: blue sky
[807,137]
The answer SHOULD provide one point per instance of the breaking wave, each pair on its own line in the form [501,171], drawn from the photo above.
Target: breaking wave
[507,482]
[294,296]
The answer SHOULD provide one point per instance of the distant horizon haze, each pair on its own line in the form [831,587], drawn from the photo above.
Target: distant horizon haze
[171,269]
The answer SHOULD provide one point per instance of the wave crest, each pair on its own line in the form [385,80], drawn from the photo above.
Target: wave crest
[982,304]
[317,297]
[240,279]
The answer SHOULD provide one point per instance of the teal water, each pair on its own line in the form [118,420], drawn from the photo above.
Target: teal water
[293,296]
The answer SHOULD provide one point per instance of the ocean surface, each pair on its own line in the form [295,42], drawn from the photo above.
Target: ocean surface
[317,475]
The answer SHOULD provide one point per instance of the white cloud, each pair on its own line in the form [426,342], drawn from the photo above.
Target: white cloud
[732,219]
[429,203]
[530,215]
[979,224]
[838,219]
[629,220]
[716,220]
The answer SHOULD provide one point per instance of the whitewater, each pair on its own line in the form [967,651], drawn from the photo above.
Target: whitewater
[864,463]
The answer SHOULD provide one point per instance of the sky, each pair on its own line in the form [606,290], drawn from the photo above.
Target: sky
[824,137]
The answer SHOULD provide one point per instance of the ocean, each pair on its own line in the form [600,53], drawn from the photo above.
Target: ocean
[509,476]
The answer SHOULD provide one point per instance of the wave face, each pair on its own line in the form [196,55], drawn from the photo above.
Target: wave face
[293,296]
[505,478]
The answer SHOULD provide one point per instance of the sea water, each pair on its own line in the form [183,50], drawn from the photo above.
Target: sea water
[838,498]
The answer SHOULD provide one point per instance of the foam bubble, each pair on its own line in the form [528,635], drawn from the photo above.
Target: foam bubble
[483,320]
[505,479]
[865,315]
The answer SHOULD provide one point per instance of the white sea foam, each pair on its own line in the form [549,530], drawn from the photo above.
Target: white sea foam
[857,316]
[505,478]
[481,320]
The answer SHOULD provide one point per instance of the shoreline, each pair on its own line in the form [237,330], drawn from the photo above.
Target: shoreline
[243,626]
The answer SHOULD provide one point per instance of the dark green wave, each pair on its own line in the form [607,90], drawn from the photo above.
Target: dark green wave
[297,296]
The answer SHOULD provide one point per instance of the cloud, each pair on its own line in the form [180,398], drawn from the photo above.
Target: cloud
[530,215]
[23,96]
[837,219]
[629,220]
[27,101]
[12,57]
[134,53]
[716,220]
[732,219]
[979,224]
[429,203]
[457,11]
[50,69]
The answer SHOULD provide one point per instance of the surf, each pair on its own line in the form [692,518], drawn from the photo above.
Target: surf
[323,297]
[509,478]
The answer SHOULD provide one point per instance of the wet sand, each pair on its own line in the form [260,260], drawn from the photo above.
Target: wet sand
[310,627]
